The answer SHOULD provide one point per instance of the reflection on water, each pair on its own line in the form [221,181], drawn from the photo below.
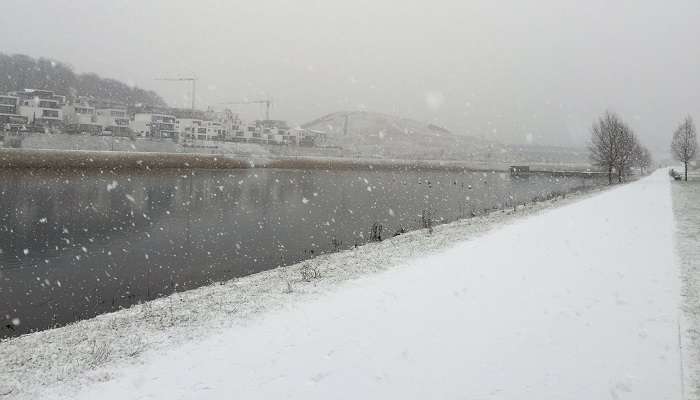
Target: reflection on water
[77,244]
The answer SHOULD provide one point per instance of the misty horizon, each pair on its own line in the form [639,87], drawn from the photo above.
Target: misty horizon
[516,74]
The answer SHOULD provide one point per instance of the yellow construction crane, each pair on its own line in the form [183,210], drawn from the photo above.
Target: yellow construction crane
[267,103]
[194,85]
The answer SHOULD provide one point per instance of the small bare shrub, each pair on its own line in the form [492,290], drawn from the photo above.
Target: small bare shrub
[309,273]
[136,346]
[426,220]
[375,233]
[99,354]
[400,231]
[337,244]
[147,311]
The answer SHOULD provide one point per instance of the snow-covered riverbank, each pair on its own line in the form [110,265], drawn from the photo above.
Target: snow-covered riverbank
[578,302]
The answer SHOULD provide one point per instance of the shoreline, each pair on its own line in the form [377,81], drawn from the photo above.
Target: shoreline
[20,159]
[75,353]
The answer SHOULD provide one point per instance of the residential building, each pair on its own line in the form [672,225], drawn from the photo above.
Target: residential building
[9,113]
[310,138]
[8,105]
[41,107]
[189,129]
[214,131]
[273,131]
[249,132]
[80,117]
[242,133]
[114,121]
[154,125]
[228,120]
[294,136]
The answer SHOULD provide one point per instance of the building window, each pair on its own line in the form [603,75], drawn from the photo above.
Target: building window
[49,113]
[48,104]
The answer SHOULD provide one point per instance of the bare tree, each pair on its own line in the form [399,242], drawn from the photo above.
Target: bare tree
[642,158]
[685,143]
[605,147]
[627,144]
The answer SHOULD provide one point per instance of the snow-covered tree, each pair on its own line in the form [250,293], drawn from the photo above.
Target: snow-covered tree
[685,143]
[605,147]
[642,158]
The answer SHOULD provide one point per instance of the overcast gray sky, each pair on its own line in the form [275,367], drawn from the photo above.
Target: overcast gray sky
[507,70]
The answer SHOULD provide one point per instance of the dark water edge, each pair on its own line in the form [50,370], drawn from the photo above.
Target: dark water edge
[75,244]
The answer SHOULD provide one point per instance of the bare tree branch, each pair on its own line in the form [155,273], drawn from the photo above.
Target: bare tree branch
[685,143]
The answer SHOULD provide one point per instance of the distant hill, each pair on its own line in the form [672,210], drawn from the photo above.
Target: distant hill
[383,135]
[364,133]
[368,124]
[19,71]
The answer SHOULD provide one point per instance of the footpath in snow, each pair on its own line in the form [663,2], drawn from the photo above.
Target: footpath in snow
[579,302]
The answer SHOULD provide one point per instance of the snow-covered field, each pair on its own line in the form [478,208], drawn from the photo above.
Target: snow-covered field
[580,301]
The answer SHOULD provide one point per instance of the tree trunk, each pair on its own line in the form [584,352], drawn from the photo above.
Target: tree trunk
[686,171]
[619,175]
[609,175]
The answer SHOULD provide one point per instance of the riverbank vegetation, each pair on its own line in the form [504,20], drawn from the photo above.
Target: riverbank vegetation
[615,148]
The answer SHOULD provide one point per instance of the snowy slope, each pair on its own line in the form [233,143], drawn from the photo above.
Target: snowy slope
[578,303]
[377,134]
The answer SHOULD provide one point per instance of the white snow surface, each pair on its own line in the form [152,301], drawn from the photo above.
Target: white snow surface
[578,302]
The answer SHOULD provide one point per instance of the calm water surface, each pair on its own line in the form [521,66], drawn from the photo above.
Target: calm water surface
[77,244]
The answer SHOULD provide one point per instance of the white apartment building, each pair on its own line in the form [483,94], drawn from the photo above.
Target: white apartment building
[249,132]
[114,121]
[81,118]
[189,128]
[154,125]
[272,131]
[40,107]
[9,113]
[229,121]
[214,131]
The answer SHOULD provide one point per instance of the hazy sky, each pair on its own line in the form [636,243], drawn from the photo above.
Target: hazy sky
[507,70]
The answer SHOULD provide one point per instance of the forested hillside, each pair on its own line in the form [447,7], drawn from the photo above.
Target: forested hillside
[19,71]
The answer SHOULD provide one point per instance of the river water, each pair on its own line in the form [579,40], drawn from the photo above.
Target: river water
[77,244]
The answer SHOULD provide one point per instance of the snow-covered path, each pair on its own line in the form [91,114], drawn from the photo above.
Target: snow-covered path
[580,302]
